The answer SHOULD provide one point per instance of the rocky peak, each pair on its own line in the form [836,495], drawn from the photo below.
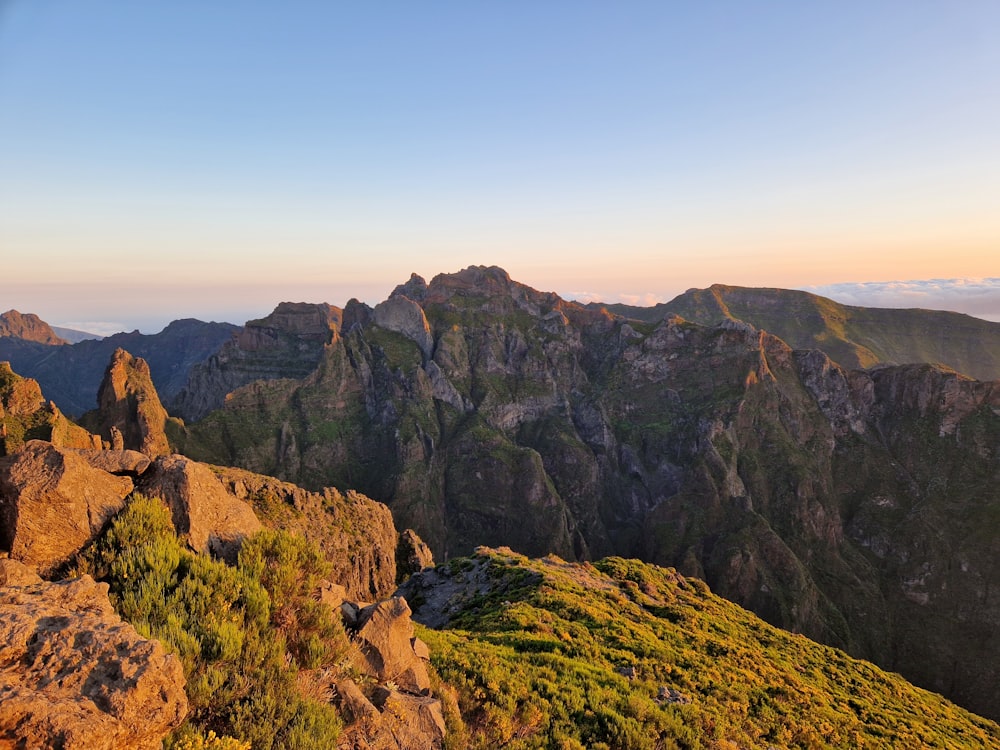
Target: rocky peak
[26,415]
[28,327]
[415,288]
[129,413]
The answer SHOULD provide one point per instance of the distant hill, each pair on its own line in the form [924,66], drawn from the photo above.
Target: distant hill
[74,336]
[854,337]
[70,374]
[28,327]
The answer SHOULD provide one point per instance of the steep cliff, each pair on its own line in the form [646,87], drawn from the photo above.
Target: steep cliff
[482,411]
[288,343]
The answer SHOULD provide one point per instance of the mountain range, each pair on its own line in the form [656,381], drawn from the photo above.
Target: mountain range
[833,469]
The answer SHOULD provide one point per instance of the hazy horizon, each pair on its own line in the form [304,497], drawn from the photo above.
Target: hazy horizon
[210,160]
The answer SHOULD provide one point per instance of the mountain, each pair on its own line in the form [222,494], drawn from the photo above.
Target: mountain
[857,507]
[854,337]
[28,327]
[71,374]
[74,336]
[288,343]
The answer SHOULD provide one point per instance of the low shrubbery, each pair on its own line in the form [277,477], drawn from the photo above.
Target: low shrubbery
[241,632]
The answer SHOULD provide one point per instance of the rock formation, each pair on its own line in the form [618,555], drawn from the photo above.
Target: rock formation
[356,534]
[28,327]
[212,519]
[26,415]
[74,676]
[288,343]
[128,405]
[53,502]
[70,375]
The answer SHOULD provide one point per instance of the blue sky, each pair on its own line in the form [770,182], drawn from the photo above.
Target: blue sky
[209,159]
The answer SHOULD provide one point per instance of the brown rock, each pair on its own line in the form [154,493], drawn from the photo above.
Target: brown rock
[412,555]
[390,720]
[74,676]
[127,401]
[355,533]
[29,327]
[131,463]
[214,520]
[52,503]
[385,642]
[14,573]
[25,414]
[332,595]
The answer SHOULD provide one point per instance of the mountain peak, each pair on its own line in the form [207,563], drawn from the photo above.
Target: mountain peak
[29,327]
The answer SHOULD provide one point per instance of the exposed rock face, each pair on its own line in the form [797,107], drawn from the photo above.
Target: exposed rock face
[794,487]
[52,502]
[386,642]
[26,415]
[127,402]
[288,343]
[355,533]
[74,676]
[28,327]
[402,315]
[412,554]
[398,712]
[70,375]
[14,573]
[214,520]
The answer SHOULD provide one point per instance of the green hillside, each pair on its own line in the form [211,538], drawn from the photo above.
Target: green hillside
[852,336]
[621,654]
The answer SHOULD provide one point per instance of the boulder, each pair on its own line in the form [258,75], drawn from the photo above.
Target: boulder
[412,555]
[390,720]
[53,502]
[74,676]
[214,520]
[385,643]
[121,462]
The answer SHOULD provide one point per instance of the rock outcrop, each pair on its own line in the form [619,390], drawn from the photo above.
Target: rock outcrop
[396,711]
[26,415]
[412,555]
[53,502]
[129,406]
[74,676]
[28,327]
[288,343]
[212,519]
[356,534]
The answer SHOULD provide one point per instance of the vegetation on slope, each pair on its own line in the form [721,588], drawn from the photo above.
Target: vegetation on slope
[621,654]
[243,634]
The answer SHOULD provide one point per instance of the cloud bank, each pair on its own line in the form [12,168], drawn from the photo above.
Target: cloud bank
[977,297]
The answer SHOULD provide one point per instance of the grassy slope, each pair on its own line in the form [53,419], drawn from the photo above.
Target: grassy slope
[538,659]
[852,336]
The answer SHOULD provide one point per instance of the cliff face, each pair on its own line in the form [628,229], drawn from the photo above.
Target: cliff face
[485,412]
[288,343]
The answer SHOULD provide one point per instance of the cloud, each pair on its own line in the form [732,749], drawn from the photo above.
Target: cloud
[978,297]
[96,327]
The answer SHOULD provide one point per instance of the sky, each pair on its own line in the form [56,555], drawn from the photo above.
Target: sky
[212,158]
